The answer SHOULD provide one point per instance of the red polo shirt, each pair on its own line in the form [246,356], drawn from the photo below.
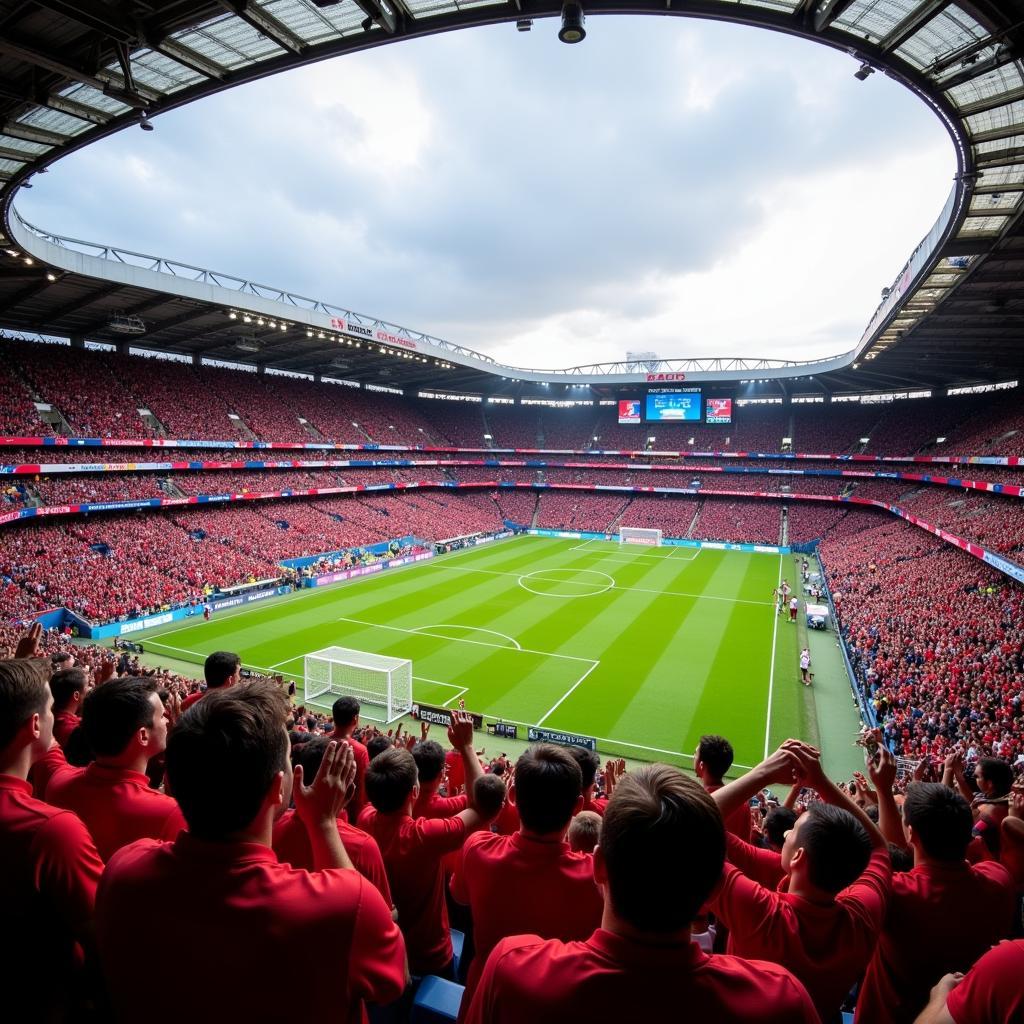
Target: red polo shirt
[524,885]
[827,946]
[456,771]
[609,977]
[251,914]
[413,852]
[117,805]
[47,891]
[51,765]
[431,805]
[596,804]
[64,724]
[992,992]
[941,918]
[740,823]
[291,844]
[192,698]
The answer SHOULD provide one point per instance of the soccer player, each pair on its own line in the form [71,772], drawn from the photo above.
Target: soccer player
[207,612]
[794,605]
[50,865]
[822,922]
[220,883]
[125,724]
[942,915]
[221,669]
[530,882]
[712,760]
[345,712]
[661,854]
[805,666]
[414,849]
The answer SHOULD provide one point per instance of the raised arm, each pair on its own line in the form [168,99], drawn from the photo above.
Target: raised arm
[319,805]
[782,766]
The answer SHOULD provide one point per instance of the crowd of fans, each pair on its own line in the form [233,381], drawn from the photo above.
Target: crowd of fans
[307,841]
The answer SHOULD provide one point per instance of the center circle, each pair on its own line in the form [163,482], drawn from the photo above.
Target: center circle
[553,582]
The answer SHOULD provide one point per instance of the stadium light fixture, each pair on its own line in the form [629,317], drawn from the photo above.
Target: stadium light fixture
[29,261]
[524,24]
[572,30]
[232,315]
[51,276]
[144,122]
[863,72]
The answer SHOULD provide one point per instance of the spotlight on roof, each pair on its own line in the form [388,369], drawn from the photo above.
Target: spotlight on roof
[524,24]
[863,72]
[144,123]
[572,30]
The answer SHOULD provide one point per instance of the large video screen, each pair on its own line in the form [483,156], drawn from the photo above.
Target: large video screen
[629,410]
[719,410]
[673,405]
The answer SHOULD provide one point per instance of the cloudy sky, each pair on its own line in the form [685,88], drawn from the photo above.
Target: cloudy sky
[670,185]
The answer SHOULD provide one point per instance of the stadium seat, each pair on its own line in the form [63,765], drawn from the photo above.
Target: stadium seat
[458,944]
[436,1001]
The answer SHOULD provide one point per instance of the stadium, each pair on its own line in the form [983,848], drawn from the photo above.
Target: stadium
[662,680]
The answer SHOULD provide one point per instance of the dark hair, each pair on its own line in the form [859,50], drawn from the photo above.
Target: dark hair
[941,820]
[589,763]
[390,779]
[59,657]
[488,795]
[716,752]
[777,823]
[65,684]
[664,846]
[224,753]
[429,758]
[309,754]
[115,711]
[345,711]
[902,858]
[548,784]
[377,745]
[22,694]
[998,772]
[837,847]
[219,667]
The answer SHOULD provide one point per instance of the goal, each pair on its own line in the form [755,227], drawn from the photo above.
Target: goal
[382,685]
[638,535]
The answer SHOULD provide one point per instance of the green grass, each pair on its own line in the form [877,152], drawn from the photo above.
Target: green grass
[645,649]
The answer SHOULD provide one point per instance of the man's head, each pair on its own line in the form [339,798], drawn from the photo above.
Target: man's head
[345,713]
[69,687]
[584,832]
[377,744]
[662,849]
[392,780]
[429,758]
[589,764]
[125,716]
[227,758]
[26,708]
[777,823]
[61,660]
[938,821]
[548,785]
[828,846]
[994,776]
[222,669]
[713,759]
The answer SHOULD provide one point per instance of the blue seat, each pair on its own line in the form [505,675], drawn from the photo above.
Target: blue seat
[458,944]
[437,1001]
[847,1018]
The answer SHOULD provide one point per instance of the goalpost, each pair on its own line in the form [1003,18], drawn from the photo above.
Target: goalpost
[639,535]
[382,685]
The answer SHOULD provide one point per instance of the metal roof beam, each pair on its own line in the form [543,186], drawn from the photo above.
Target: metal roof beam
[39,284]
[254,15]
[49,101]
[62,311]
[181,318]
[136,310]
[95,15]
[18,155]
[28,133]
[829,12]
[190,58]
[59,66]
[910,25]
[991,102]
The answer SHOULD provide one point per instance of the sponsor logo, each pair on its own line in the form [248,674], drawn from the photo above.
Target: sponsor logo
[566,739]
[441,716]
[654,377]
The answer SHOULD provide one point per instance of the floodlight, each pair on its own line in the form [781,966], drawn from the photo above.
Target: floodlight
[863,72]
[572,30]
[524,24]
[145,124]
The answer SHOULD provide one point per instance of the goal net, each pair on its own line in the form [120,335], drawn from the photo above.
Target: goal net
[382,685]
[638,535]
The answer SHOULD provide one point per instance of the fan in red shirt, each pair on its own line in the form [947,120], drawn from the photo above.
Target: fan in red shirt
[69,687]
[822,924]
[291,843]
[227,762]
[942,915]
[125,724]
[589,764]
[990,992]
[712,760]
[50,865]
[530,883]
[345,713]
[662,851]
[414,849]
[430,763]
[221,670]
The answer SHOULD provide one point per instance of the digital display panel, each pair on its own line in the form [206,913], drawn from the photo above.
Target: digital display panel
[673,405]
[719,410]
[629,410]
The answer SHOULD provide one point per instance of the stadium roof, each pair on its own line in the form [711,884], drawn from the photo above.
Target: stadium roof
[74,71]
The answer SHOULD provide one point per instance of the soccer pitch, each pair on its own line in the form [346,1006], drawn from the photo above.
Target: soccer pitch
[643,648]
